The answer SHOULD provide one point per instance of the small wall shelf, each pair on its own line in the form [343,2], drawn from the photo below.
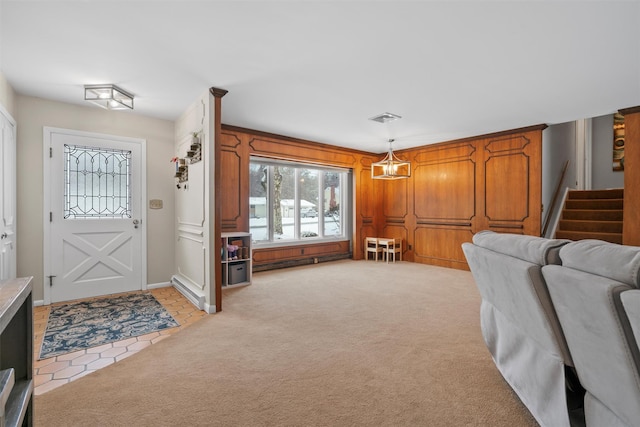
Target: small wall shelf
[194,154]
[236,259]
[182,170]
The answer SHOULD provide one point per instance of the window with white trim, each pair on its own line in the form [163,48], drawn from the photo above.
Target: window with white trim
[297,202]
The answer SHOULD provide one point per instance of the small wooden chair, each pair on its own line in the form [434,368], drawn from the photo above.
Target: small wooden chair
[391,247]
[371,246]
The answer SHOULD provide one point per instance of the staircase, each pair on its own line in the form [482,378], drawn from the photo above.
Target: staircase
[592,214]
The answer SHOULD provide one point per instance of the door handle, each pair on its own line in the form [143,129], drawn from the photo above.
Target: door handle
[4,235]
[135,223]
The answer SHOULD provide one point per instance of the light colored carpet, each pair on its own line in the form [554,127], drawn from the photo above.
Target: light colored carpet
[347,343]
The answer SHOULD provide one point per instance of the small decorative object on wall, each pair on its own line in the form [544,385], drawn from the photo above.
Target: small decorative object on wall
[618,142]
[182,171]
[195,151]
[194,155]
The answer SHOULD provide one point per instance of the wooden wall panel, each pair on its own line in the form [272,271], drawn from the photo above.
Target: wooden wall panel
[231,207]
[462,187]
[286,149]
[368,230]
[396,231]
[441,245]
[457,188]
[262,256]
[445,191]
[365,192]
[395,207]
[366,210]
[631,206]
[234,185]
[512,183]
[395,198]
[442,153]
[506,181]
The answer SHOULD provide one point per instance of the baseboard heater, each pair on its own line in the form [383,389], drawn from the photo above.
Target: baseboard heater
[197,300]
[299,262]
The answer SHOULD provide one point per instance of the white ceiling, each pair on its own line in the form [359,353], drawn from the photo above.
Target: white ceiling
[318,69]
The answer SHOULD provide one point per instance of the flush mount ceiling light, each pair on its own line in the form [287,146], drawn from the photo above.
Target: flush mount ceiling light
[110,97]
[391,167]
[385,117]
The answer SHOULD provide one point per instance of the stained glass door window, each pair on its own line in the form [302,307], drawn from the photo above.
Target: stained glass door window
[97,182]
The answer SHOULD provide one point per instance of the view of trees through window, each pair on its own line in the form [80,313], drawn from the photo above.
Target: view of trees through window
[295,201]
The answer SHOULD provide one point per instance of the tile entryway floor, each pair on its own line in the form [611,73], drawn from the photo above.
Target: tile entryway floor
[56,371]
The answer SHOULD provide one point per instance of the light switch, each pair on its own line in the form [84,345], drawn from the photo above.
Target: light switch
[155,204]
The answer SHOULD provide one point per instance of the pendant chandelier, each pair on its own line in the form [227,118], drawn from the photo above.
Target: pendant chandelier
[391,167]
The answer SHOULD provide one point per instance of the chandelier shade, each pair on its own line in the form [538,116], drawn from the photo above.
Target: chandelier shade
[108,96]
[391,167]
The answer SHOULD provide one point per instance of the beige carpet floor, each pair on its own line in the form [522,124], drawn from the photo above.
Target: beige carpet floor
[347,343]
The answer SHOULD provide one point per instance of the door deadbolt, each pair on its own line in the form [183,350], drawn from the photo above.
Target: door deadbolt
[135,223]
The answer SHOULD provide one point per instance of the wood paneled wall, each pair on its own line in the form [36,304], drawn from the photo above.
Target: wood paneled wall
[631,216]
[238,145]
[458,188]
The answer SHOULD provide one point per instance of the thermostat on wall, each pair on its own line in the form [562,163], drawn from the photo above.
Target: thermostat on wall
[155,204]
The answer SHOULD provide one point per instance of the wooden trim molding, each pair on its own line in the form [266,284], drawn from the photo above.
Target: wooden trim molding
[274,255]
[257,133]
[217,207]
[217,92]
[494,135]
[630,110]
[288,150]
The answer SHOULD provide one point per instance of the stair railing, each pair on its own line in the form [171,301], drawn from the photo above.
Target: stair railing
[554,200]
[556,220]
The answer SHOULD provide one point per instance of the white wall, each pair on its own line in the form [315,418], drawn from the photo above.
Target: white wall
[35,113]
[558,146]
[602,173]
[193,221]
[7,96]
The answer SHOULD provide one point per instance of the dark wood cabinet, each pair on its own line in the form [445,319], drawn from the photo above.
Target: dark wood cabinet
[16,351]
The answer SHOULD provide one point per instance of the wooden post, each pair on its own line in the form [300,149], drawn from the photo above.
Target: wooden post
[217,226]
[631,212]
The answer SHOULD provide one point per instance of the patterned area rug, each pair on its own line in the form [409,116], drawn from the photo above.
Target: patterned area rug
[86,324]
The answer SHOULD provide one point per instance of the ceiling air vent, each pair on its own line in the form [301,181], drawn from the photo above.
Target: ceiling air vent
[385,117]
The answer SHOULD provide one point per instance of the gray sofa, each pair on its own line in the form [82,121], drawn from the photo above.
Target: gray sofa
[519,324]
[595,294]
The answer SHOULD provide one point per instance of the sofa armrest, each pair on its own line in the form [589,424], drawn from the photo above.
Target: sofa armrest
[536,250]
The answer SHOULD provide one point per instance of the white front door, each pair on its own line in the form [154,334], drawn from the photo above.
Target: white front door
[96,216]
[7,197]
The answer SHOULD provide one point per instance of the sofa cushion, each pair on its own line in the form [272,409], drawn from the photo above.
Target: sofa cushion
[601,344]
[618,262]
[536,250]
